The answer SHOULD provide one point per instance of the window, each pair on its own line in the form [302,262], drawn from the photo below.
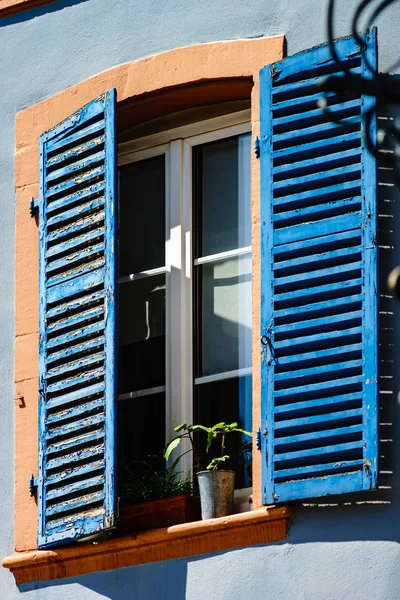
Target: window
[185,286]
[318,294]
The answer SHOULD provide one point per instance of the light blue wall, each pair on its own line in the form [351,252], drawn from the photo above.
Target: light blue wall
[332,552]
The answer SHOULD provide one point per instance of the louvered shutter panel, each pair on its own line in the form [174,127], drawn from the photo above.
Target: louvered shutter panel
[319,280]
[76,487]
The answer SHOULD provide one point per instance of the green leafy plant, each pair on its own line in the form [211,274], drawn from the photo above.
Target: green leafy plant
[150,480]
[187,432]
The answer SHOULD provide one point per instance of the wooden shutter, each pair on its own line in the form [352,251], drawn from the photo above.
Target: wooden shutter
[319,280]
[76,487]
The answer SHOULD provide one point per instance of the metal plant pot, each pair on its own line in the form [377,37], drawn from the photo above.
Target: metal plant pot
[216,493]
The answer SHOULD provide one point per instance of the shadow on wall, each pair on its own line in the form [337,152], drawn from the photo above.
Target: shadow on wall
[32,13]
[145,581]
[373,515]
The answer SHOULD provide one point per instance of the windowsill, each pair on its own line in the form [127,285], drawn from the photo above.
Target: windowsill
[189,539]
[10,7]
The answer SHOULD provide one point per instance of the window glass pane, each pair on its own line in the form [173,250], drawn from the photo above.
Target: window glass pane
[142,334]
[141,429]
[224,316]
[229,401]
[222,192]
[142,216]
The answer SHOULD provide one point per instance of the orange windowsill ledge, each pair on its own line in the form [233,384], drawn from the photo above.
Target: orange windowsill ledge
[189,539]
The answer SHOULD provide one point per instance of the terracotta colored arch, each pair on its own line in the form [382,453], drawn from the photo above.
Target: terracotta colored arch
[179,75]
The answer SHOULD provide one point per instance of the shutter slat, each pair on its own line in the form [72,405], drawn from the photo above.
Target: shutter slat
[320,289]
[76,257]
[317,435]
[85,346]
[79,196]
[76,151]
[323,243]
[74,137]
[73,304]
[317,228]
[314,149]
[325,486]
[83,283]
[318,419]
[76,181]
[289,313]
[68,505]
[338,190]
[71,321]
[73,487]
[316,258]
[75,365]
[301,119]
[55,447]
[321,321]
[326,467]
[316,177]
[349,364]
[70,459]
[75,472]
[77,283]
[75,426]
[327,161]
[299,86]
[75,335]
[76,226]
[77,411]
[307,132]
[317,355]
[317,387]
[321,450]
[80,210]
[319,209]
[80,165]
[87,376]
[329,271]
[318,279]
[334,400]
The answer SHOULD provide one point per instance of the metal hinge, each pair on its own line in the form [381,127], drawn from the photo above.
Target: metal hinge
[33,207]
[257,147]
[33,483]
[258,439]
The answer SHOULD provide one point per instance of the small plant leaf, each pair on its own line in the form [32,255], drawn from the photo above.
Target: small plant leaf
[171,446]
[181,427]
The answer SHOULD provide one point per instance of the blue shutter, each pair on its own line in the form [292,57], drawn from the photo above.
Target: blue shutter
[318,279]
[77,204]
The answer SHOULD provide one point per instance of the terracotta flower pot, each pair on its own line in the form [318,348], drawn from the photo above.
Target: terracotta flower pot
[158,513]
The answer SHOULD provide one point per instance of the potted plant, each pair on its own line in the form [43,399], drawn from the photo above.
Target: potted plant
[216,485]
[153,496]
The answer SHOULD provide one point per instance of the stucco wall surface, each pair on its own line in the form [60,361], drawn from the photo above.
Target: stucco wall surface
[332,551]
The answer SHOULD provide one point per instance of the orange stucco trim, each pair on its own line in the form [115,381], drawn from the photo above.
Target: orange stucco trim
[172,71]
[10,7]
[191,539]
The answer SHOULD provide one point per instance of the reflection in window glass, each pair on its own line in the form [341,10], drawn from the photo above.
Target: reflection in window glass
[225,315]
[222,187]
[142,216]
[142,334]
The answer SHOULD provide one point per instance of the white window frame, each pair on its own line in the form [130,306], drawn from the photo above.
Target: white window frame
[177,146]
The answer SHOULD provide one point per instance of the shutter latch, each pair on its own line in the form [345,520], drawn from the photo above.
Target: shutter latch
[33,483]
[33,207]
[257,147]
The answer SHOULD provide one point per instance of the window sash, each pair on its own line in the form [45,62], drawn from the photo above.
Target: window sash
[180,265]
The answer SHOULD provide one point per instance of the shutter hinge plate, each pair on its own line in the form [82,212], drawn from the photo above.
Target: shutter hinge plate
[257,147]
[33,207]
[33,483]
